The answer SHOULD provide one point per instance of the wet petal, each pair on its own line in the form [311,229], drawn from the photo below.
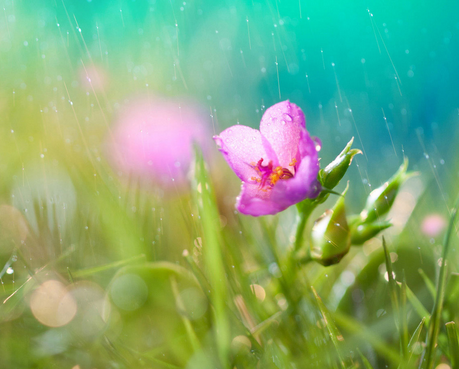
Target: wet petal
[242,148]
[254,201]
[304,184]
[282,124]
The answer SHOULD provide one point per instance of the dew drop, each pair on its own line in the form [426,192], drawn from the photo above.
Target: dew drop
[318,143]
[287,117]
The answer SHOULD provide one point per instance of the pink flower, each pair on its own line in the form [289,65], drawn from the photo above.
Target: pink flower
[278,164]
[433,224]
[152,140]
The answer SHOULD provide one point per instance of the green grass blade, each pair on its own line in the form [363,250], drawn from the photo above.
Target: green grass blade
[394,298]
[417,305]
[365,361]
[213,257]
[102,268]
[434,328]
[453,344]
[429,283]
[415,338]
[404,314]
[353,326]
[335,335]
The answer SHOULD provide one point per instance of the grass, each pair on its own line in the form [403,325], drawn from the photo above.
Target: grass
[237,300]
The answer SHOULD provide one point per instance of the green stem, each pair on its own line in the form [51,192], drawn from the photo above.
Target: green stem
[304,211]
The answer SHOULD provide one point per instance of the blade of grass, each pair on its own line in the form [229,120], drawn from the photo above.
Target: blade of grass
[259,328]
[417,305]
[415,338]
[355,327]
[404,314]
[394,299]
[434,328]
[453,344]
[428,282]
[102,268]
[186,322]
[365,361]
[207,289]
[213,257]
[335,335]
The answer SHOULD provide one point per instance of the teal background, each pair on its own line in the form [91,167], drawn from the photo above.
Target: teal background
[223,54]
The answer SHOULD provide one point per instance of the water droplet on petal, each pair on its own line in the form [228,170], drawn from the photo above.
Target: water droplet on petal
[287,117]
[318,143]
[283,122]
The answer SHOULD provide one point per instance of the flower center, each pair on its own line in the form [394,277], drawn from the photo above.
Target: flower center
[270,175]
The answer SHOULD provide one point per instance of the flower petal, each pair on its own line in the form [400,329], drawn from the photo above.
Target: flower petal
[242,148]
[282,124]
[304,184]
[254,201]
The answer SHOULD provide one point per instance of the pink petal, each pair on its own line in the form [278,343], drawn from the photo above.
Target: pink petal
[282,124]
[242,148]
[253,201]
[304,184]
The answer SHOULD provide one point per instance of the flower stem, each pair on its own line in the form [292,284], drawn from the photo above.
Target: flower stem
[305,209]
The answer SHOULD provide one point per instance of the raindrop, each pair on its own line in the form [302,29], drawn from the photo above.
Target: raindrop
[287,117]
[318,143]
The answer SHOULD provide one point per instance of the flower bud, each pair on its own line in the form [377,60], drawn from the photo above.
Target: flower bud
[381,199]
[333,172]
[330,237]
[365,231]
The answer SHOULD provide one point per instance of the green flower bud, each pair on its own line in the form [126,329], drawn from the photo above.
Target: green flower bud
[365,231]
[330,237]
[381,199]
[333,172]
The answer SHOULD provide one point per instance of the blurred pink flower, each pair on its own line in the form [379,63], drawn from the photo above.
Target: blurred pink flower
[278,164]
[433,224]
[152,139]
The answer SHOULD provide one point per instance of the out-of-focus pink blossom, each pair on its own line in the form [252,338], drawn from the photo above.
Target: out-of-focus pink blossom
[278,164]
[152,139]
[93,77]
[433,224]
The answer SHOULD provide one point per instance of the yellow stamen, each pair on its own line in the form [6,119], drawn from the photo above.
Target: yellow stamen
[292,163]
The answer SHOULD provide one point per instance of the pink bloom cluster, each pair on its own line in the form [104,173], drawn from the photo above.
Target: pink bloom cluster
[278,164]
